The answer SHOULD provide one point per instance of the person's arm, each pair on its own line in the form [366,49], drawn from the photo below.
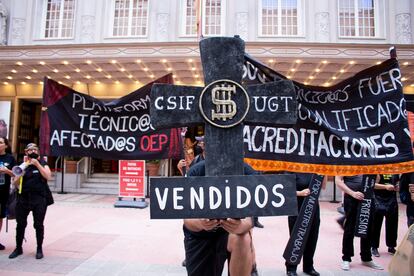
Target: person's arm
[44,170]
[339,180]
[181,164]
[5,170]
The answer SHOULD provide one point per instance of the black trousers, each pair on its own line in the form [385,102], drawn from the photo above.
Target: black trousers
[351,211]
[206,253]
[310,246]
[37,205]
[391,226]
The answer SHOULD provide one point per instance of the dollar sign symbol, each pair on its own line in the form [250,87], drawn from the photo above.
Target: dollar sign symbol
[225,107]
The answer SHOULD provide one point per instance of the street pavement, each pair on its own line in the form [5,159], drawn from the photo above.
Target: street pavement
[86,235]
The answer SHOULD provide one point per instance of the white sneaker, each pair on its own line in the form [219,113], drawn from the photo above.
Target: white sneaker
[373,265]
[345,265]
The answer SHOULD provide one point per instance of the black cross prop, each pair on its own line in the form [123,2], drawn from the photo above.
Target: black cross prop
[223,106]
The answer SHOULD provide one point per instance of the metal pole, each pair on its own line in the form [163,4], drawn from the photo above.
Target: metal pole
[62,165]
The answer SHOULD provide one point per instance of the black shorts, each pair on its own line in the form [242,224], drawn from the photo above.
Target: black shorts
[3,207]
[205,252]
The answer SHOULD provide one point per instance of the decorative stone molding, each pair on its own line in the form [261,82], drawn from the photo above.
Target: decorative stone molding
[322,27]
[18,30]
[241,25]
[88,26]
[403,28]
[162,26]
[3,24]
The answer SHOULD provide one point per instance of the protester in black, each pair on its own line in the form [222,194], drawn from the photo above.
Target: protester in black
[353,187]
[7,162]
[302,191]
[386,205]
[32,197]
[407,195]
[210,242]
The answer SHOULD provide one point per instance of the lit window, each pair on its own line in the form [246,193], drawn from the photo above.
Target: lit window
[212,13]
[59,18]
[278,17]
[357,18]
[130,18]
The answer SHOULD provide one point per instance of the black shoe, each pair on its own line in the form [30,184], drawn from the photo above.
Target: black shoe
[311,272]
[17,252]
[391,250]
[254,271]
[2,247]
[257,223]
[184,263]
[39,253]
[374,252]
[291,273]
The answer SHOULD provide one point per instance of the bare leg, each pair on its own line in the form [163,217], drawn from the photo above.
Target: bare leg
[241,249]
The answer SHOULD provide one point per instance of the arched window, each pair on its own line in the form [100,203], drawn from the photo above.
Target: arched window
[279,17]
[59,18]
[130,18]
[357,18]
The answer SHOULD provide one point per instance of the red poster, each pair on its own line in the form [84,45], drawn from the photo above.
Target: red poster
[132,178]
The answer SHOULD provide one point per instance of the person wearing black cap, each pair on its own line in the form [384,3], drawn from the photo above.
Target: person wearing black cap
[33,193]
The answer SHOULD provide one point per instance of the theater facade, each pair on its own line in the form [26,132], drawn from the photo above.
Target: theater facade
[109,48]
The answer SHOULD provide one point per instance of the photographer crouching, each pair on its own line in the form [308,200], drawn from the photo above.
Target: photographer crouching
[34,195]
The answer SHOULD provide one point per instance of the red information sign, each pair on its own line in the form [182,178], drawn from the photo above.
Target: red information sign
[132,178]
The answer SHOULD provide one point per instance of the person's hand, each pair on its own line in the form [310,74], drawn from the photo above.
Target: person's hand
[390,187]
[34,162]
[181,164]
[411,189]
[358,195]
[304,192]
[209,224]
[233,226]
[397,187]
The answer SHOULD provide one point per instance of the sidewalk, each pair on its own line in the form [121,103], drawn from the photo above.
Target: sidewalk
[86,235]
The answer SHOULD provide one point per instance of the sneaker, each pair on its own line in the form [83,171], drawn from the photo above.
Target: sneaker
[391,250]
[2,247]
[373,265]
[16,252]
[374,252]
[345,265]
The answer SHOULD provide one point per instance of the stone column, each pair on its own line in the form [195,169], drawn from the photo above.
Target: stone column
[403,33]
[322,22]
[3,24]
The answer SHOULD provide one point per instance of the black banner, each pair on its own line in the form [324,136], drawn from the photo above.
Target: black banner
[300,233]
[365,206]
[360,121]
[223,196]
[75,124]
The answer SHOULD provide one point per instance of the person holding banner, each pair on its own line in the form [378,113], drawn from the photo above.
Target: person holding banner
[7,162]
[209,243]
[386,205]
[407,195]
[353,187]
[33,192]
[302,191]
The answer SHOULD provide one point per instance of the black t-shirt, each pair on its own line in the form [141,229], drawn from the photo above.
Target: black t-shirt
[386,179]
[303,180]
[33,181]
[199,169]
[354,182]
[8,161]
